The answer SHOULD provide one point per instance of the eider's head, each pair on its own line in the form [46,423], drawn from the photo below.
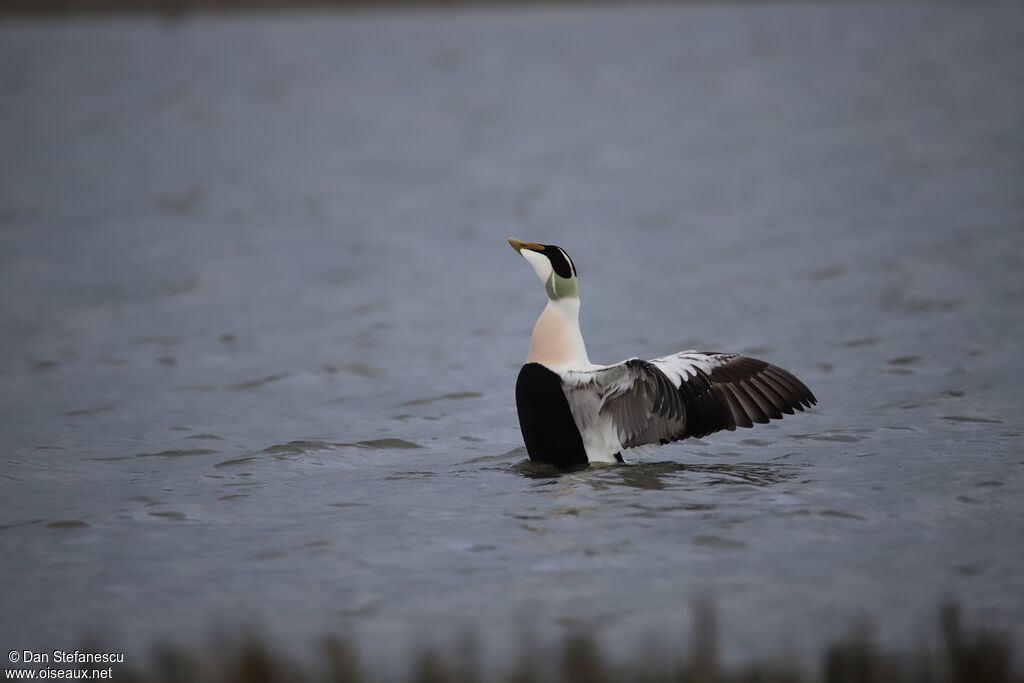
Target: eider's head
[553,266]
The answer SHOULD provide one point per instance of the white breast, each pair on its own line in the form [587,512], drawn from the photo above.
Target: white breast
[557,343]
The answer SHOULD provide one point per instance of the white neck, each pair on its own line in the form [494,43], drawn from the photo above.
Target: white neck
[557,342]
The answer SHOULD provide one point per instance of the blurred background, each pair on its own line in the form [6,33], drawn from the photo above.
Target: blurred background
[260,327]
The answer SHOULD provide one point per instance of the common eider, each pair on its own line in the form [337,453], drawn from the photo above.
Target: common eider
[573,412]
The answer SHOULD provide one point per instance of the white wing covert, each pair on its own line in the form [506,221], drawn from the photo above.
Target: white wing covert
[689,394]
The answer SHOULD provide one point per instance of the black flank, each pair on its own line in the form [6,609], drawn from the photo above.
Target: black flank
[549,430]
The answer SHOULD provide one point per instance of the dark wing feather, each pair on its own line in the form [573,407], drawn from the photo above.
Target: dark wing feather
[725,391]
[691,394]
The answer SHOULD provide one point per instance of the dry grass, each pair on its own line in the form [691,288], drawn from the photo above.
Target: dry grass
[966,655]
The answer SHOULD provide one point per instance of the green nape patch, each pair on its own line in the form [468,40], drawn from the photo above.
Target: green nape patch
[961,655]
[559,287]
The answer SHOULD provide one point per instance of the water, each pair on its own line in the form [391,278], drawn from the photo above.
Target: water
[260,327]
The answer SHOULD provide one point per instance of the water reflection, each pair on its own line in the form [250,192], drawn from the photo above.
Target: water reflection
[656,476]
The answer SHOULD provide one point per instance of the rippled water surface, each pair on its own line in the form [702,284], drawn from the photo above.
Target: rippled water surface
[260,328]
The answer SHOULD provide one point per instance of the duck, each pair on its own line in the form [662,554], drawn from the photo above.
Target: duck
[574,413]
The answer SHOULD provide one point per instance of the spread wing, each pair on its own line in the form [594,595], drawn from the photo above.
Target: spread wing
[689,394]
